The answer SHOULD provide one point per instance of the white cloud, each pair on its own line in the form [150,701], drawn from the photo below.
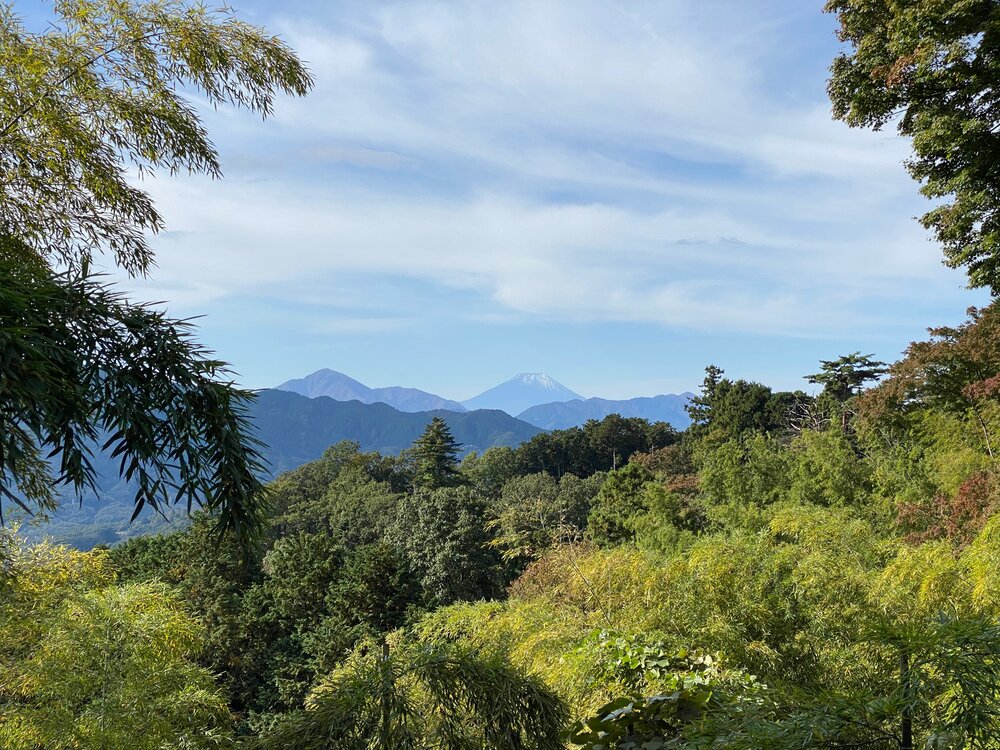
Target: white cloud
[690,193]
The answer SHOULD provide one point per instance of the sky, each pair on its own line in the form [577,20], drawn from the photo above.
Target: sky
[614,193]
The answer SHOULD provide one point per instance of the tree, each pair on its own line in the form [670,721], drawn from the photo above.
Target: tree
[726,408]
[621,498]
[99,91]
[845,377]
[615,438]
[443,535]
[85,663]
[419,697]
[490,471]
[936,64]
[435,454]
[700,406]
[535,510]
[84,371]
[957,370]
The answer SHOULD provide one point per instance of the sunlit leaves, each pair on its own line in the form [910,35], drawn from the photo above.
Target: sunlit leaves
[85,663]
[424,697]
[931,67]
[109,87]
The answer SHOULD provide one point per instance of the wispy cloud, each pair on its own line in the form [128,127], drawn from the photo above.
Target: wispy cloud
[669,163]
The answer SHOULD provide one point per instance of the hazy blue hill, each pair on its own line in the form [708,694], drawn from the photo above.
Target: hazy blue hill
[522,392]
[561,415]
[298,429]
[341,387]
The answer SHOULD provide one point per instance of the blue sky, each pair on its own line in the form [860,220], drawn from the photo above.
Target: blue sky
[615,193]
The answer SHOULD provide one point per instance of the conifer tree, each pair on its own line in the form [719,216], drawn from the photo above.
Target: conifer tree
[846,377]
[436,456]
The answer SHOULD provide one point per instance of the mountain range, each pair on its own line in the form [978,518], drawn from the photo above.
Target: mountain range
[339,386]
[303,417]
[562,415]
[533,397]
[522,392]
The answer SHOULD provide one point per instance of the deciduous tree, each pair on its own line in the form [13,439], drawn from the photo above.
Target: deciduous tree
[931,67]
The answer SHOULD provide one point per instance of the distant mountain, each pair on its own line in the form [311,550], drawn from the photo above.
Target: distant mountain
[522,392]
[564,414]
[340,387]
[298,429]
[329,383]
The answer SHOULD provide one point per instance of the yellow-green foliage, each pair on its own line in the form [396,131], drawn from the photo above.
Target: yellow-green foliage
[801,602]
[88,664]
[983,561]
[936,455]
[953,448]
[826,470]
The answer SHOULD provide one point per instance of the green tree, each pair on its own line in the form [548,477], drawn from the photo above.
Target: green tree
[615,438]
[621,499]
[314,602]
[101,88]
[533,511]
[443,535]
[845,377]
[559,452]
[84,371]
[85,663]
[749,472]
[725,409]
[435,455]
[932,66]
[419,697]
[825,469]
[957,371]
[490,471]
[98,92]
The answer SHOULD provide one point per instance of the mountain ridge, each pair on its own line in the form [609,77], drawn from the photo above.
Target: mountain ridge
[296,429]
[341,387]
[533,397]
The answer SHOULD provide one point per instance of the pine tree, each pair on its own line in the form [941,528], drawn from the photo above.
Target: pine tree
[436,456]
[845,377]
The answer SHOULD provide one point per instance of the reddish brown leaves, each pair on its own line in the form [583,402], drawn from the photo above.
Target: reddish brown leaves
[957,519]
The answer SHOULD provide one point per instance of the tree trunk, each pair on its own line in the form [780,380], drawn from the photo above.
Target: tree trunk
[906,739]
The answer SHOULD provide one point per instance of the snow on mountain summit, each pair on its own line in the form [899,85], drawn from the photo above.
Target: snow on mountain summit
[538,379]
[521,392]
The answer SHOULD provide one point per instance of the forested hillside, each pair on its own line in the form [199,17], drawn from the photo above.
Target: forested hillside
[293,430]
[789,568]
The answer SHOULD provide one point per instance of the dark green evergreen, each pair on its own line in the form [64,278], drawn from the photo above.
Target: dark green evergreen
[435,456]
[846,376]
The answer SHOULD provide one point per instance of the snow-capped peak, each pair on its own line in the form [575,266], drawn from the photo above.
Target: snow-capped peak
[537,379]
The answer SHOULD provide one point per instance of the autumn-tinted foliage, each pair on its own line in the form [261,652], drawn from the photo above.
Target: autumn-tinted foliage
[931,67]
[957,518]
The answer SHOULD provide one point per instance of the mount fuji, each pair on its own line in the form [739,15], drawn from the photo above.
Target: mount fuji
[522,392]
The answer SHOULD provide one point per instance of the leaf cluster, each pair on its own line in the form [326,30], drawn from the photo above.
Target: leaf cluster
[83,371]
